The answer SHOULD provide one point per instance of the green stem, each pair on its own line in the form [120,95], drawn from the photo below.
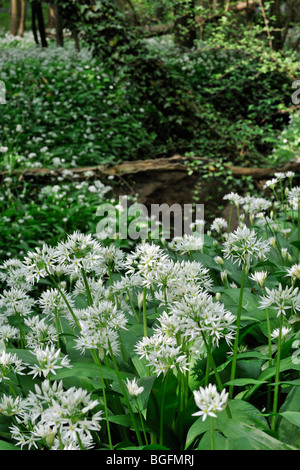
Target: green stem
[276,388]
[236,340]
[218,379]
[87,288]
[65,300]
[97,361]
[138,435]
[131,304]
[270,354]
[161,427]
[142,422]
[144,312]
[207,365]
[22,335]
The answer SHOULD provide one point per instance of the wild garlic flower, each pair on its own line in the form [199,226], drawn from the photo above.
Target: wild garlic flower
[145,259]
[10,363]
[51,301]
[259,277]
[282,300]
[39,263]
[271,183]
[10,406]
[243,245]
[209,401]
[49,359]
[284,332]
[219,224]
[9,333]
[40,333]
[16,302]
[13,274]
[254,205]
[294,272]
[112,259]
[162,354]
[133,389]
[53,417]
[99,328]
[187,243]
[234,198]
[293,197]
[78,252]
[202,315]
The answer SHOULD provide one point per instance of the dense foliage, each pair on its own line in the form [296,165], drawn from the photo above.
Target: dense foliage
[187,343]
[94,338]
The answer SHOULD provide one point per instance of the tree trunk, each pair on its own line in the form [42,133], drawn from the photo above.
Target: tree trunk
[51,17]
[15,12]
[185,30]
[76,40]
[21,27]
[59,26]
[37,15]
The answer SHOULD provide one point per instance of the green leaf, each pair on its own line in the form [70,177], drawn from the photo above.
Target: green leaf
[258,439]
[243,382]
[292,416]
[8,446]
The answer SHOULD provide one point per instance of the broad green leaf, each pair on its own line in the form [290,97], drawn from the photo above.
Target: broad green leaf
[243,382]
[292,416]
[258,439]
[8,446]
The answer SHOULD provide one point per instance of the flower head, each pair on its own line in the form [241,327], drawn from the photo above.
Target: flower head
[209,401]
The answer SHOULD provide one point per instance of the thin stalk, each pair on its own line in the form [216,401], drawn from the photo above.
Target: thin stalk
[276,388]
[97,361]
[218,379]
[138,435]
[142,421]
[144,312]
[87,288]
[22,335]
[65,300]
[131,304]
[161,425]
[236,340]
[153,298]
[207,365]
[57,327]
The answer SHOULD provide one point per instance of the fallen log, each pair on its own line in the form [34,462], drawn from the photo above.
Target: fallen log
[175,163]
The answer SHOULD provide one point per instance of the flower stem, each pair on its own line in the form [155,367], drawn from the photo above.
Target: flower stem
[144,312]
[97,361]
[138,435]
[65,300]
[161,426]
[276,388]
[87,288]
[238,322]
[218,379]
[142,422]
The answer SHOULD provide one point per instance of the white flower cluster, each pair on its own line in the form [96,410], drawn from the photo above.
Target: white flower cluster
[209,401]
[53,418]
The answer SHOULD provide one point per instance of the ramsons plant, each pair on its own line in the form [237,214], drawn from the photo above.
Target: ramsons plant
[163,345]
